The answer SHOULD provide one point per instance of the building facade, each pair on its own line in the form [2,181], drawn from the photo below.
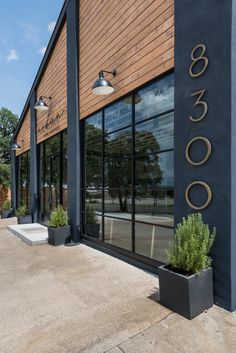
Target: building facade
[128,166]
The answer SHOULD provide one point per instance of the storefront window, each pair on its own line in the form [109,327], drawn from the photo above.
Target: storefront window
[129,171]
[24,179]
[53,174]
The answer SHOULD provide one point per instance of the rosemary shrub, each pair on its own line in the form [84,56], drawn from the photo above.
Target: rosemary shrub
[22,210]
[6,205]
[192,243]
[58,218]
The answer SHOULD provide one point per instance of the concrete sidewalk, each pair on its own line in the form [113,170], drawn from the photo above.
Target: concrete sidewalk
[76,299]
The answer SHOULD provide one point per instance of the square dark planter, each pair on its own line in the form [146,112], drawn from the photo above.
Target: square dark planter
[24,219]
[59,236]
[93,230]
[6,213]
[188,296]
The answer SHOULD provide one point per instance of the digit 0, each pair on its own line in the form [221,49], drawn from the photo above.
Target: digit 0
[196,59]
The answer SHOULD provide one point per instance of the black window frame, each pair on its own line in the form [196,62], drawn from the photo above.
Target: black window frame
[43,159]
[132,253]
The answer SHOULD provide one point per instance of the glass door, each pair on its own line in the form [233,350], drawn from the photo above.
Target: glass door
[53,175]
[54,182]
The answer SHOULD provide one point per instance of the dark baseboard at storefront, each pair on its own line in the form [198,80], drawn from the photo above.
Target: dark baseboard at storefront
[141,262]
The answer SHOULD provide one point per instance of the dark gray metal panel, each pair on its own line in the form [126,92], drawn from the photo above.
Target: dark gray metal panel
[73,130]
[209,23]
[33,160]
[13,180]
[233,161]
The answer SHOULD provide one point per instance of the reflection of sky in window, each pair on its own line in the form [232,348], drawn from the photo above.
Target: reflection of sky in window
[161,128]
[95,120]
[117,116]
[121,144]
[157,98]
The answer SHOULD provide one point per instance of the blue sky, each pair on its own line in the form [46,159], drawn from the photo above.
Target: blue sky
[25,29]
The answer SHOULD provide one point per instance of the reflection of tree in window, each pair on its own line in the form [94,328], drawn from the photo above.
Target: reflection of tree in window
[148,171]
[93,158]
[118,165]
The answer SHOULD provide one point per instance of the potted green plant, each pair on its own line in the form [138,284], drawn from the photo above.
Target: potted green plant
[92,227]
[6,209]
[186,284]
[22,214]
[59,232]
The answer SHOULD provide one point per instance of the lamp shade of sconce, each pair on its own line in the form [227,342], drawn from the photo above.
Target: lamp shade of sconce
[15,146]
[41,104]
[103,86]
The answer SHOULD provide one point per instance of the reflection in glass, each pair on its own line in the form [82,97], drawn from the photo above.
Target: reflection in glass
[118,201]
[118,116]
[52,145]
[93,213]
[24,179]
[93,165]
[156,98]
[117,232]
[93,127]
[118,148]
[64,183]
[55,181]
[93,224]
[166,161]
[93,200]
[154,195]
[65,141]
[155,135]
[155,205]
[53,174]
[152,241]
[128,170]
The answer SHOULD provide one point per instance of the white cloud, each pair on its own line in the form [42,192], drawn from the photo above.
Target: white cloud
[31,33]
[42,50]
[12,55]
[51,26]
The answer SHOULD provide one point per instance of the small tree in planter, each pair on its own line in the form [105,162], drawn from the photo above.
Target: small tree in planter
[22,214]
[59,232]
[6,209]
[92,227]
[186,284]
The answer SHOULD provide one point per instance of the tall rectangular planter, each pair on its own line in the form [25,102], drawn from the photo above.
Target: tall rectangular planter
[188,296]
[59,236]
[6,214]
[27,219]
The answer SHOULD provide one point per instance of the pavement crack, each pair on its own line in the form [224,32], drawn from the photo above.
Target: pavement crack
[121,349]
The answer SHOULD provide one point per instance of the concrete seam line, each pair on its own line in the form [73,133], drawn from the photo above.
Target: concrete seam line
[139,333]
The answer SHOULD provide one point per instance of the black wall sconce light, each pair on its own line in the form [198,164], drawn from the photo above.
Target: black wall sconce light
[103,86]
[16,146]
[40,104]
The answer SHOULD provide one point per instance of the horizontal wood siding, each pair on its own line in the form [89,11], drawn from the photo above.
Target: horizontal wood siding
[23,136]
[136,37]
[54,84]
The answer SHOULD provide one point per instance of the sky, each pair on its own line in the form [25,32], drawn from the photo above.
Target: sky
[25,30]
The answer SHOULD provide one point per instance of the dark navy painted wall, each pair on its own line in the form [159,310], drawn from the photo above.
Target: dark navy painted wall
[73,131]
[209,23]
[233,159]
